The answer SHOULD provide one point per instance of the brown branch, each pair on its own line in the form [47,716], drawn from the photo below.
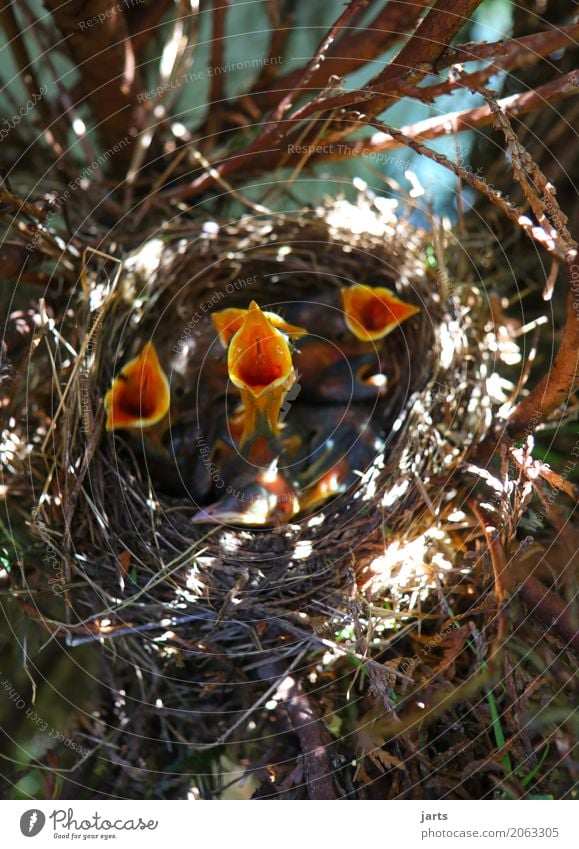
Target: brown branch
[275,127]
[278,35]
[351,51]
[421,51]
[458,122]
[103,54]
[531,46]
[416,60]
[215,100]
[556,386]
[517,56]
[313,65]
[563,377]
[548,240]
[523,460]
[217,47]
[347,54]
[311,731]
[538,191]
[511,53]
[431,128]
[147,23]
[454,122]
[430,41]
[497,556]
[558,482]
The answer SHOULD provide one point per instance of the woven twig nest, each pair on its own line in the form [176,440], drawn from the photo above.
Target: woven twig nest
[138,573]
[137,547]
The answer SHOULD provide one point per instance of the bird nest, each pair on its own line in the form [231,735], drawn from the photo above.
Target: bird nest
[126,560]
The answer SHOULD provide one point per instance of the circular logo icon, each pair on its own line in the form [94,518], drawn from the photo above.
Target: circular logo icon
[32,822]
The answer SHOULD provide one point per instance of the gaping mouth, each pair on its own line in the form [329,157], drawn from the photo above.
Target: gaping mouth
[140,394]
[227,322]
[259,358]
[371,312]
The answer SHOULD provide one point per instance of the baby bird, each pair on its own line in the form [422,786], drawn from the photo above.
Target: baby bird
[228,321]
[327,376]
[340,360]
[259,364]
[337,445]
[371,312]
[139,396]
[254,497]
[261,460]
[161,429]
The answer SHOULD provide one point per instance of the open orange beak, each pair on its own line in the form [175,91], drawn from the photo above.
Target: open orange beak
[140,395]
[227,322]
[371,312]
[259,363]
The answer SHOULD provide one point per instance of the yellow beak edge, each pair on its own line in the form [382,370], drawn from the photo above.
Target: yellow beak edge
[371,312]
[140,395]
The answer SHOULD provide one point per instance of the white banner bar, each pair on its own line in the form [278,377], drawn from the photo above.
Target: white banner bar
[280,825]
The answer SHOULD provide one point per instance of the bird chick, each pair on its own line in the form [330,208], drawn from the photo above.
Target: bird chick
[228,321]
[139,396]
[162,430]
[371,312]
[256,497]
[336,446]
[259,364]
